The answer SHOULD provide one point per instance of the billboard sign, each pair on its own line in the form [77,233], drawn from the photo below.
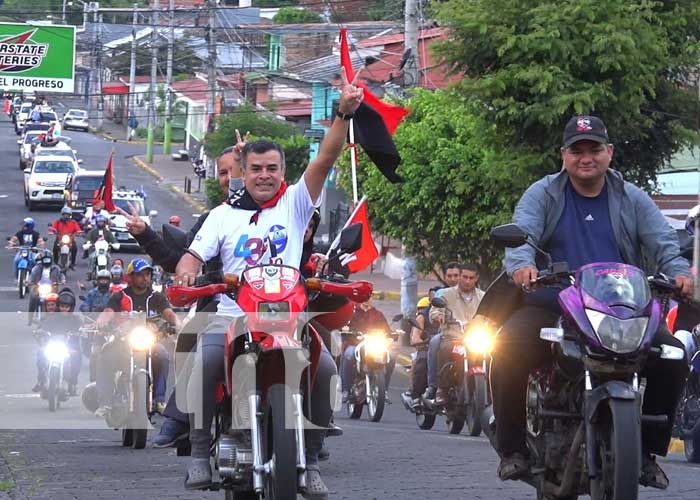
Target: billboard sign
[37,58]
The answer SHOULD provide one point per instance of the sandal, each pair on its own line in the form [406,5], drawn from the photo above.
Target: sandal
[316,489]
[198,474]
[513,467]
[652,474]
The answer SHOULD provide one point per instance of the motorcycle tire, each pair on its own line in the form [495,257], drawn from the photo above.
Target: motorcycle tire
[21,283]
[691,447]
[240,495]
[127,437]
[476,405]
[53,388]
[279,444]
[620,451]
[376,395]
[63,261]
[139,419]
[425,421]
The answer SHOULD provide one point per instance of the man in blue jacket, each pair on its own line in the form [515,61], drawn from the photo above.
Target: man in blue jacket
[585,213]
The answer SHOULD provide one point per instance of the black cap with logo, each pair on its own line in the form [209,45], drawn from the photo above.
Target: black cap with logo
[585,128]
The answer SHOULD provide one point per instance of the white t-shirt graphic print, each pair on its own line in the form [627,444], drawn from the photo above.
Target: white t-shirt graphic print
[242,244]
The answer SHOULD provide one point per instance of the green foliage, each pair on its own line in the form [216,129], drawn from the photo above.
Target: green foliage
[455,190]
[293,15]
[530,65]
[215,195]
[296,156]
[185,62]
[274,3]
[246,119]
[386,10]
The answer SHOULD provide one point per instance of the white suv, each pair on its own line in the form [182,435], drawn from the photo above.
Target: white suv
[122,199]
[45,181]
[22,116]
[25,147]
[76,118]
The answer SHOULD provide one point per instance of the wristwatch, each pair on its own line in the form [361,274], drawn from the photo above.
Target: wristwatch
[343,116]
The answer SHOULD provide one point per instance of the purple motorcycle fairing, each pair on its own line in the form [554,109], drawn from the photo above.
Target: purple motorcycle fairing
[574,301]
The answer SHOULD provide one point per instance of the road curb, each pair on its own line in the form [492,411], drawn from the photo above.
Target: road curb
[388,295]
[145,166]
[109,138]
[188,199]
[676,446]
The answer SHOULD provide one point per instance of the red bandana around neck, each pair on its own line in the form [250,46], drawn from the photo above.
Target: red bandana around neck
[242,199]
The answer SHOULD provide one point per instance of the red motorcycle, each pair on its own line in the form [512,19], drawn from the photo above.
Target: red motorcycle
[259,440]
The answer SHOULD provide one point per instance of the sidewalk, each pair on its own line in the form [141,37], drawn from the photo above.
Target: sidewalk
[172,174]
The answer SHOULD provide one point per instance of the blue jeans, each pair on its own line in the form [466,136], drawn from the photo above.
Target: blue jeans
[347,368]
[433,350]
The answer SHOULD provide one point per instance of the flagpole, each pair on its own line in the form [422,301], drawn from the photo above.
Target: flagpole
[353,162]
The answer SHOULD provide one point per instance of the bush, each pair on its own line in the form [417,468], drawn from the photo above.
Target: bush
[215,195]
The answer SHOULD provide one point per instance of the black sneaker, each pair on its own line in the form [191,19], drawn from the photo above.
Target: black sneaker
[334,430]
[170,433]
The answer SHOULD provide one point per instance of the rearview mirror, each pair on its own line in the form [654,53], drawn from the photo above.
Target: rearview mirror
[27,171]
[80,161]
[396,318]
[81,297]
[351,238]
[509,235]
[438,302]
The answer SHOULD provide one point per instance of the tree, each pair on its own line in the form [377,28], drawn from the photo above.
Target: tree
[184,59]
[293,15]
[530,65]
[454,189]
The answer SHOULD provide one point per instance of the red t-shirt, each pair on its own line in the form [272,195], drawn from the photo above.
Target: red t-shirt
[61,227]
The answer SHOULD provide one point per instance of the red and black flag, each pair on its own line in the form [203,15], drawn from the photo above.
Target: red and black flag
[374,122]
[104,192]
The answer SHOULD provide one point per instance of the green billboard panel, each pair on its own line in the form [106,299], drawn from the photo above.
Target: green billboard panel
[37,58]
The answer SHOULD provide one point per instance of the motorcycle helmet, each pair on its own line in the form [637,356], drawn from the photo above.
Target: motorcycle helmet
[100,219]
[174,220]
[117,274]
[66,297]
[66,213]
[46,260]
[103,279]
[137,265]
[423,303]
[28,225]
[52,297]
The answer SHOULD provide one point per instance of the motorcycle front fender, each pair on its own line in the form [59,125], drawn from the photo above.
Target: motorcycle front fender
[22,264]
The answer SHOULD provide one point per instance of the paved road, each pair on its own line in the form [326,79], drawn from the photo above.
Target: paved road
[69,455]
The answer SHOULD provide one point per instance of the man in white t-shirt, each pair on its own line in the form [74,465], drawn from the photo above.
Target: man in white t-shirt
[266,219]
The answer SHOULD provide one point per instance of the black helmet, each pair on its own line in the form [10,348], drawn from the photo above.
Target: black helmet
[66,297]
[46,260]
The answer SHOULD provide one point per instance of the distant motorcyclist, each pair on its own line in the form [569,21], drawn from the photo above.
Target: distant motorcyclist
[69,323]
[27,236]
[140,297]
[65,226]
[91,214]
[688,313]
[44,271]
[97,298]
[118,283]
[419,336]
[99,232]
[174,220]
[50,306]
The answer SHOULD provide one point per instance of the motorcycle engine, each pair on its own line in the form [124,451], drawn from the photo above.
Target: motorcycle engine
[232,460]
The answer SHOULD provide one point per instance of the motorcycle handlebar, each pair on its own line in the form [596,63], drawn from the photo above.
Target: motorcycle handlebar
[357,291]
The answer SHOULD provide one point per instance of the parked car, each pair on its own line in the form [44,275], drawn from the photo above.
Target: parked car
[77,119]
[80,190]
[45,181]
[122,198]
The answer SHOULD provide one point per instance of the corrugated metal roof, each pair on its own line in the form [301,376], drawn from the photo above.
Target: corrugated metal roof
[229,18]
[326,69]
[228,55]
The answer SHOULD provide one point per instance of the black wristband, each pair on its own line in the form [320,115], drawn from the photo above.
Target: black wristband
[343,116]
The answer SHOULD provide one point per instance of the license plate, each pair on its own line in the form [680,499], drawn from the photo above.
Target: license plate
[123,237]
[57,196]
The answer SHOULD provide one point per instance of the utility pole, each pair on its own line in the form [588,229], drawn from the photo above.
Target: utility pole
[131,97]
[63,13]
[98,56]
[169,81]
[411,42]
[88,83]
[212,72]
[152,89]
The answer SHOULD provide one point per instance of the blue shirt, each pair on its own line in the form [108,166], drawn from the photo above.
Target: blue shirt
[584,233]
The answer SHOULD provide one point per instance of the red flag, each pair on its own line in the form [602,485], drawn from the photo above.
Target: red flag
[368,253]
[104,192]
[374,122]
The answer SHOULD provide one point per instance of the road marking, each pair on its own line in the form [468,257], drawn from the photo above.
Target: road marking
[8,288]
[22,396]
[4,196]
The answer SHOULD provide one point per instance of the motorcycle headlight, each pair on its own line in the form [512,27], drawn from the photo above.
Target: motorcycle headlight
[478,340]
[56,351]
[65,239]
[44,289]
[141,338]
[376,344]
[618,335]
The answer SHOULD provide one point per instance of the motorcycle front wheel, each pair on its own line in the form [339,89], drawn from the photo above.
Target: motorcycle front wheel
[476,404]
[691,447]
[53,389]
[376,395]
[425,421]
[618,429]
[139,418]
[279,445]
[21,283]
